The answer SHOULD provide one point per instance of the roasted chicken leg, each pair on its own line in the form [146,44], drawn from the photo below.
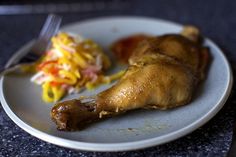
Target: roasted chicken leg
[163,73]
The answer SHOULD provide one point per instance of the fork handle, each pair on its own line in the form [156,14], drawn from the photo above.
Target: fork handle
[4,70]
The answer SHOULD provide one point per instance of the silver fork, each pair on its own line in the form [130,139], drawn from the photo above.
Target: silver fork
[50,28]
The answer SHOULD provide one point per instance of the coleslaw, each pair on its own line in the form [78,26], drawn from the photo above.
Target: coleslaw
[71,64]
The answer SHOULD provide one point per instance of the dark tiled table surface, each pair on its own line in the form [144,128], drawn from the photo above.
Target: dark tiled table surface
[216,19]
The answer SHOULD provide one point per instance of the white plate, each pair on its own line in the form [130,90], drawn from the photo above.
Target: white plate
[21,99]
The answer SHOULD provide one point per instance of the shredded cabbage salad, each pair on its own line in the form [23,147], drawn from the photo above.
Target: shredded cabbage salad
[71,64]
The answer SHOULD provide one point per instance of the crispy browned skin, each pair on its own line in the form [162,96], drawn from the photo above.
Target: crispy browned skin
[69,115]
[123,48]
[154,81]
[163,73]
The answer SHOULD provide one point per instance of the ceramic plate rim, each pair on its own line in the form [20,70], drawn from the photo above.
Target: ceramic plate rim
[123,146]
